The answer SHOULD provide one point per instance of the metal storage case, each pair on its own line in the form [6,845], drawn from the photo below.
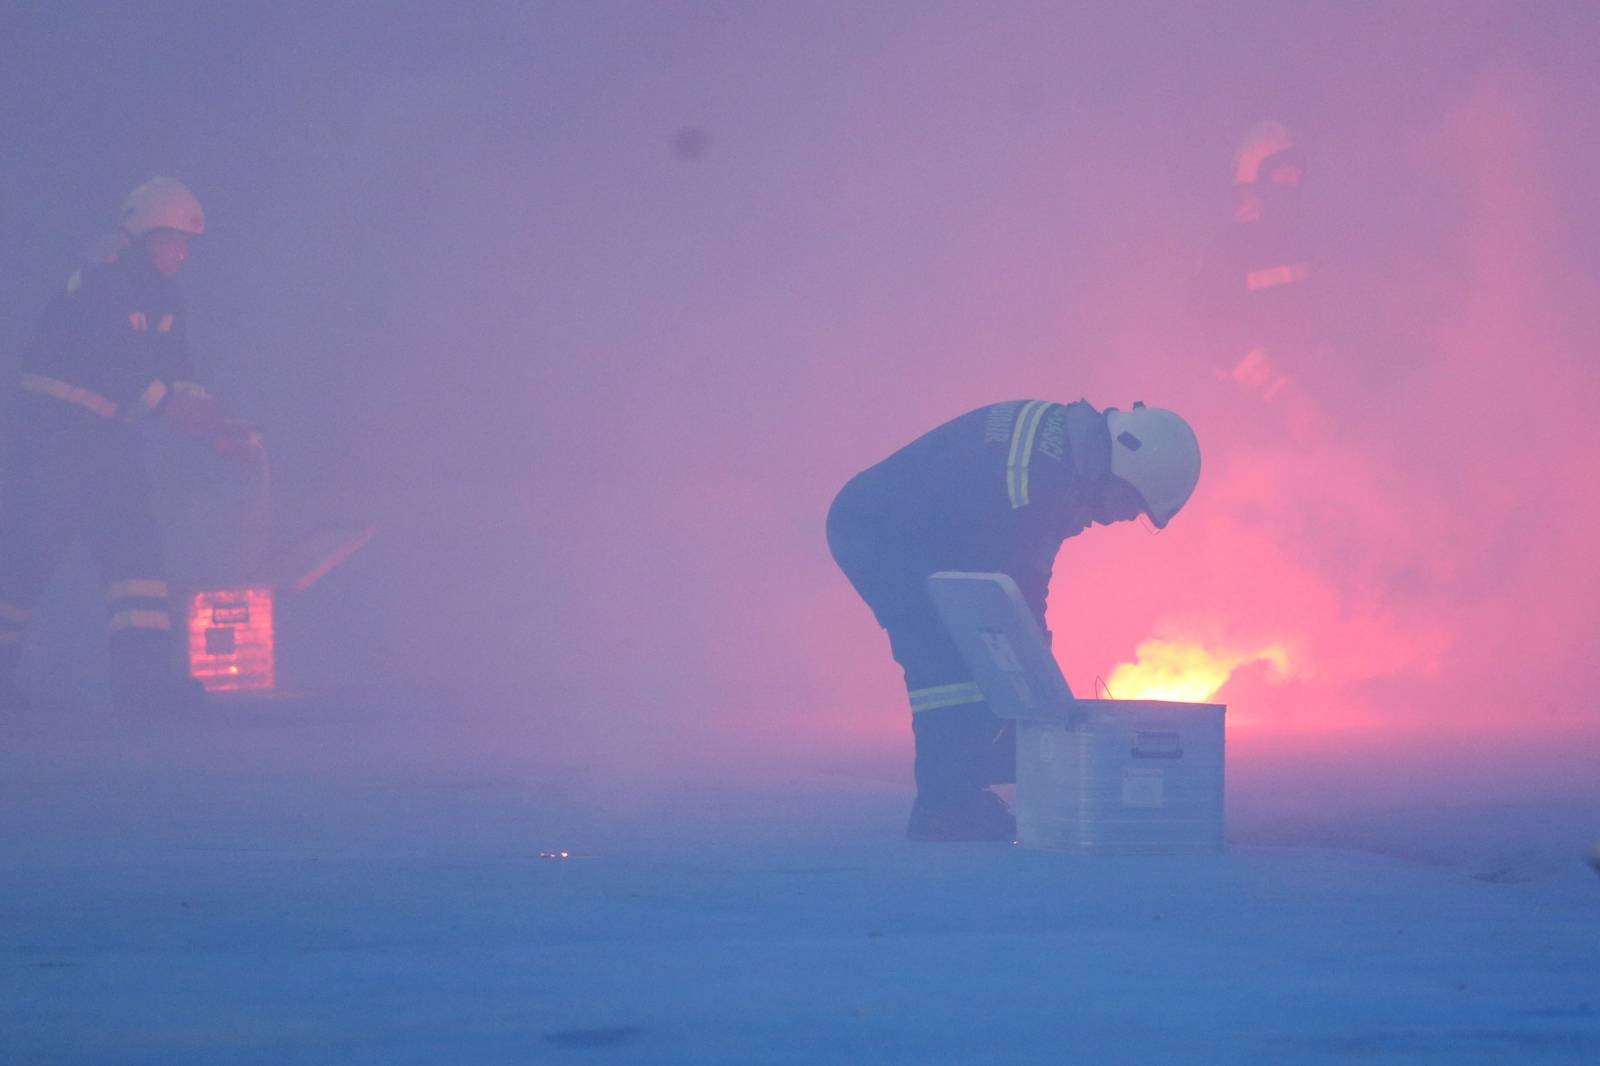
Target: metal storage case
[1122,776]
[1092,775]
[231,641]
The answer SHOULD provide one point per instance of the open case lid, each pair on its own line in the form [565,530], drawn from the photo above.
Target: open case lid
[1002,644]
[307,560]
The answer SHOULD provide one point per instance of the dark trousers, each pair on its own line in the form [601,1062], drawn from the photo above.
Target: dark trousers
[961,745]
[65,479]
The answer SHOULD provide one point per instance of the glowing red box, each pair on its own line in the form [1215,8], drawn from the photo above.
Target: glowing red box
[231,646]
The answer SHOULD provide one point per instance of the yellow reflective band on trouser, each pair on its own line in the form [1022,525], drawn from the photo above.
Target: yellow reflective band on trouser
[16,615]
[1022,435]
[191,388]
[931,699]
[144,588]
[1272,277]
[69,393]
[140,619]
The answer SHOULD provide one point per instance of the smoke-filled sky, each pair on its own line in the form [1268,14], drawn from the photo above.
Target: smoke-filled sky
[593,307]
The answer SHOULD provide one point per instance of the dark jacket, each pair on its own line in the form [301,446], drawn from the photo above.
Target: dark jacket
[112,345]
[996,489]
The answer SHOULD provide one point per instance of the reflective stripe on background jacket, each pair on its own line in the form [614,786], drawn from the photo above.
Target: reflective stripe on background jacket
[998,488]
[1259,291]
[112,344]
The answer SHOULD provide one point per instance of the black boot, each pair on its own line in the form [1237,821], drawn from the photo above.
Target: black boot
[979,815]
[955,766]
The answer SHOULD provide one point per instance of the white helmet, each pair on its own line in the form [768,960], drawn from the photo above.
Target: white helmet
[1263,140]
[1156,452]
[162,203]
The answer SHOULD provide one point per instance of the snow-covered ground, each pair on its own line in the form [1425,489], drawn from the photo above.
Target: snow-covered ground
[289,885]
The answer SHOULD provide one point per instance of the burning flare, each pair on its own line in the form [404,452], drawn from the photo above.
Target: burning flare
[1185,671]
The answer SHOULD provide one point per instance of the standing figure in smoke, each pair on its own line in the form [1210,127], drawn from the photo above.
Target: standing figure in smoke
[1257,285]
[997,489]
[110,352]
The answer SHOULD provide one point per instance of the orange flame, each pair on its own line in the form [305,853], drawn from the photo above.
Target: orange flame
[1186,671]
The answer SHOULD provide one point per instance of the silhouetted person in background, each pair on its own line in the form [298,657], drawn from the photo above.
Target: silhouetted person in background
[996,490]
[1257,289]
[110,352]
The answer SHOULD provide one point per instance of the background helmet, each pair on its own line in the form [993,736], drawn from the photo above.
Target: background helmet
[1265,139]
[1156,452]
[162,203]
